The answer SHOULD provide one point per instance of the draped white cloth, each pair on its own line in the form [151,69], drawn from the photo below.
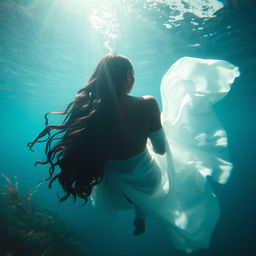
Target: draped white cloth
[173,187]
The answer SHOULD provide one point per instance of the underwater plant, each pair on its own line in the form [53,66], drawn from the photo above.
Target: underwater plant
[29,229]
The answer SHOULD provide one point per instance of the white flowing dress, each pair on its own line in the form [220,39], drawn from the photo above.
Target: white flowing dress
[173,187]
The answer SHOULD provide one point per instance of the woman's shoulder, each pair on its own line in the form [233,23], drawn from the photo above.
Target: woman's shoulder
[150,102]
[146,103]
[147,99]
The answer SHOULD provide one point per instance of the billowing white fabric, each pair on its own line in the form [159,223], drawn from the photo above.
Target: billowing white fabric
[173,187]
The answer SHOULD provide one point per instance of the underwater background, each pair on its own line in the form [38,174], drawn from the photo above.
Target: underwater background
[48,50]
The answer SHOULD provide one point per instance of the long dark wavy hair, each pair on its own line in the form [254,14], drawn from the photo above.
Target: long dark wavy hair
[79,144]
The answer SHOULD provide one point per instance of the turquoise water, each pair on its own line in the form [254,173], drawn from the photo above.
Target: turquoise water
[48,50]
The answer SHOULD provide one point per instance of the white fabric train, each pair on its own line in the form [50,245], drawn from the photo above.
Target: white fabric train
[173,187]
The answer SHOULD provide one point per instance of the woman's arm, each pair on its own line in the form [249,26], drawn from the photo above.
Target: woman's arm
[156,133]
[154,113]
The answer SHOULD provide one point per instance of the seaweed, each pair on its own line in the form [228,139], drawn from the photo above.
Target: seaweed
[30,229]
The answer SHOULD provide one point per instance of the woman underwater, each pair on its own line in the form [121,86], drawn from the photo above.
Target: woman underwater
[114,149]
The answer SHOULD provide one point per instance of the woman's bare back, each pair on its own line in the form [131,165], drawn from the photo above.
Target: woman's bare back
[138,116]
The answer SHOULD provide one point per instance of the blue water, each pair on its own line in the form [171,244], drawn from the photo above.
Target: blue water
[48,50]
